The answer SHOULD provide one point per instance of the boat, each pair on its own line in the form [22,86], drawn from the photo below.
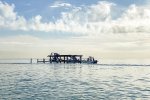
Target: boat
[89,60]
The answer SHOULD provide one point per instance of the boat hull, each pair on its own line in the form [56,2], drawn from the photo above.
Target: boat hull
[89,62]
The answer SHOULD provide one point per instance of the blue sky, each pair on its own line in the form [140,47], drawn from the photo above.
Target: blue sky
[106,28]
[30,8]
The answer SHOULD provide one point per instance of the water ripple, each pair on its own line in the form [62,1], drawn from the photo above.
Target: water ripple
[73,82]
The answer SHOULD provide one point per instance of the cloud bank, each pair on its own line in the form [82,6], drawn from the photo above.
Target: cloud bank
[85,20]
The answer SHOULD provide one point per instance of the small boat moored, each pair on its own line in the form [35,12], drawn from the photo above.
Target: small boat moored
[90,60]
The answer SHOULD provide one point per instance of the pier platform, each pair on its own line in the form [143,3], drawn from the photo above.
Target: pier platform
[57,58]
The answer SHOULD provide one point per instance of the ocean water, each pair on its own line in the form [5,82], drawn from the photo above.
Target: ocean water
[74,82]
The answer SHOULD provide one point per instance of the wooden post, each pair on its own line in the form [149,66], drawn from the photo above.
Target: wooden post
[60,59]
[80,59]
[74,59]
[43,60]
[64,59]
[37,60]
[31,60]
[67,59]
[50,59]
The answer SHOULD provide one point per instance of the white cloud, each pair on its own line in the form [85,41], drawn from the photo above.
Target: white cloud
[88,20]
[98,19]
[9,19]
[6,11]
[58,4]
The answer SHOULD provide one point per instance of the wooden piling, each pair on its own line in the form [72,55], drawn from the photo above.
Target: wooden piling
[67,59]
[80,59]
[43,60]
[64,59]
[31,61]
[37,60]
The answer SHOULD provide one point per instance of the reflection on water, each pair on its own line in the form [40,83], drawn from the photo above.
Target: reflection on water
[73,81]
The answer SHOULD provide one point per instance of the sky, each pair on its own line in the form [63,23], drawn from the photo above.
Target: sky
[106,29]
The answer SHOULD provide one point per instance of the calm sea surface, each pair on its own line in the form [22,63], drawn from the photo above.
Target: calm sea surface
[74,82]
